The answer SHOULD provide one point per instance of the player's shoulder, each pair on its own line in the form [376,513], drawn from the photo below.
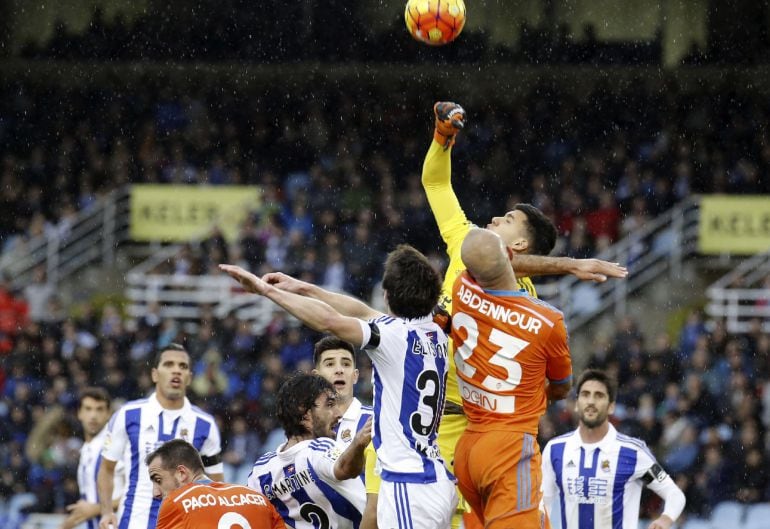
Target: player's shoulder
[633,443]
[541,308]
[559,439]
[135,404]
[322,444]
[265,458]
[385,320]
[219,488]
[198,412]
[177,494]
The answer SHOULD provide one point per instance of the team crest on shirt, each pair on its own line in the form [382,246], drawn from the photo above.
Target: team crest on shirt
[183,434]
[345,435]
[606,465]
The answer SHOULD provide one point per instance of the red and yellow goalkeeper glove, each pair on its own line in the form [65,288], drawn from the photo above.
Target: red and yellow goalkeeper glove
[450,118]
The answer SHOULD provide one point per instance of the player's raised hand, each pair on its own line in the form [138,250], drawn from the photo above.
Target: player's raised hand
[597,270]
[285,282]
[450,118]
[364,436]
[248,281]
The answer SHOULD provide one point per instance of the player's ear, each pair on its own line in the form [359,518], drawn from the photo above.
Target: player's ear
[611,408]
[520,245]
[154,375]
[355,376]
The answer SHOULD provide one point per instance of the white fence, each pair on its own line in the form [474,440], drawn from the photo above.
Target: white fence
[742,297]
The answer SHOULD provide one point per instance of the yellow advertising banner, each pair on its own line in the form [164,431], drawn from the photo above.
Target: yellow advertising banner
[184,213]
[734,224]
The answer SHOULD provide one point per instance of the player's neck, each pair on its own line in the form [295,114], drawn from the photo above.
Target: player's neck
[593,435]
[296,439]
[344,405]
[169,404]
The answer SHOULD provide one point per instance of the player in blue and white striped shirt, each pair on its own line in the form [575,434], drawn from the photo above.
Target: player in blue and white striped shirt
[597,474]
[409,354]
[93,414]
[335,360]
[312,480]
[141,426]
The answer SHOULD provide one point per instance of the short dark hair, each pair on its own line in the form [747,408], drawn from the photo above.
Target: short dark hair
[97,393]
[542,233]
[177,452]
[601,377]
[295,397]
[173,346]
[328,343]
[413,285]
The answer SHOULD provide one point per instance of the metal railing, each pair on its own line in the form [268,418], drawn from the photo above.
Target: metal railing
[742,296]
[94,235]
[660,246]
[656,248]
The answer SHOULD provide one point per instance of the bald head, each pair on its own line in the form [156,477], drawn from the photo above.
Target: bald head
[486,258]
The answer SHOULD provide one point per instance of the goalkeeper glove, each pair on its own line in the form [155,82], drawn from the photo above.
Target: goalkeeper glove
[450,118]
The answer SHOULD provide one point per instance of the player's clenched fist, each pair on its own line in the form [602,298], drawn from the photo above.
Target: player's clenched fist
[450,118]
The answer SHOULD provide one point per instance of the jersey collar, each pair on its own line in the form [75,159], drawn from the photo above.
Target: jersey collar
[158,408]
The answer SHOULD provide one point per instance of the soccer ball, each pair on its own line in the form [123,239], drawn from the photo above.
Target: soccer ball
[435,22]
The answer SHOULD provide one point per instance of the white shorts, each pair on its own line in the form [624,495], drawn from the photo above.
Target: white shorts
[416,505]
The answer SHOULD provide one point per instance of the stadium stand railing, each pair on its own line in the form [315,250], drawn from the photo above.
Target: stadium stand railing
[93,235]
[660,246]
[742,296]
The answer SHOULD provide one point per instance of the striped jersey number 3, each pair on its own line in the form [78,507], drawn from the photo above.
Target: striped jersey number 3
[510,346]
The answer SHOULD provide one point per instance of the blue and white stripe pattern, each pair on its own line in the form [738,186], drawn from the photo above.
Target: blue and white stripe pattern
[137,429]
[353,420]
[599,485]
[88,469]
[410,369]
[300,483]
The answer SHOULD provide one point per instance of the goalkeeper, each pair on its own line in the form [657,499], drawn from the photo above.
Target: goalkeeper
[525,229]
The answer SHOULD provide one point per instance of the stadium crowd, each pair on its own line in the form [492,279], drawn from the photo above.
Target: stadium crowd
[337,198]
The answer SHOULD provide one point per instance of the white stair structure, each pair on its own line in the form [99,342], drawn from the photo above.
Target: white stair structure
[742,296]
[660,247]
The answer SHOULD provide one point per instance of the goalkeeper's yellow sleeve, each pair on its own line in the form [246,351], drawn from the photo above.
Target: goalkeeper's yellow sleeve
[371,478]
[450,217]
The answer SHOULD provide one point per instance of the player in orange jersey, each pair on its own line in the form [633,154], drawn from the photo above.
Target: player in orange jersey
[511,354]
[192,500]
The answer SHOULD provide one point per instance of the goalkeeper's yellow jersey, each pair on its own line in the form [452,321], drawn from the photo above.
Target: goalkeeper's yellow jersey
[454,226]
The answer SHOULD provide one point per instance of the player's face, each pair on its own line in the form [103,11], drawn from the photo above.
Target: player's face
[164,481]
[93,415]
[337,366]
[593,404]
[173,375]
[325,415]
[512,229]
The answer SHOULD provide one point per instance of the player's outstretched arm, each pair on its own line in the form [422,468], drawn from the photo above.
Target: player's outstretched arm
[437,174]
[345,305]
[584,269]
[314,313]
[351,463]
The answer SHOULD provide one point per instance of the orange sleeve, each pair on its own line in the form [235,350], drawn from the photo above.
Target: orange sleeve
[559,363]
[170,515]
[278,522]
